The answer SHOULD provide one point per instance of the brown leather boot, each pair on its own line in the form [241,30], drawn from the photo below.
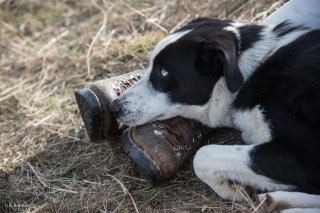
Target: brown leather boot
[159,149]
[93,103]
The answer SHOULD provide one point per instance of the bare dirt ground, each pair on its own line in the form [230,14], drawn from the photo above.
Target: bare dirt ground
[50,48]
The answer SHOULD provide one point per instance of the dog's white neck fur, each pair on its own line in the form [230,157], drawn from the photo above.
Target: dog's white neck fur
[216,112]
[269,43]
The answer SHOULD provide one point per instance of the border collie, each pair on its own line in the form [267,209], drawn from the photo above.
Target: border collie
[262,80]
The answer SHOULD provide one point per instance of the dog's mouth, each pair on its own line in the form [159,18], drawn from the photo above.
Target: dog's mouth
[159,117]
[130,123]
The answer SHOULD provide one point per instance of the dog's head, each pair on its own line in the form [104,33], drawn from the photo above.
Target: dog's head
[183,70]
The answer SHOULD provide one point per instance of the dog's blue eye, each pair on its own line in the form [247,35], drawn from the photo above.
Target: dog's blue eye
[164,72]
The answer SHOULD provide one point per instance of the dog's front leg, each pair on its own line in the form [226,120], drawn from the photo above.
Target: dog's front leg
[221,165]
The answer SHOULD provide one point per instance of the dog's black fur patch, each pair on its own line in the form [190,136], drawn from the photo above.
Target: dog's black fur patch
[249,35]
[286,27]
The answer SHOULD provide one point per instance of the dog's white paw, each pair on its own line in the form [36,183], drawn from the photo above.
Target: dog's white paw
[270,203]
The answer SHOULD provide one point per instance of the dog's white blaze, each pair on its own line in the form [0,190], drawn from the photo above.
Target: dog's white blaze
[290,200]
[234,28]
[254,128]
[251,58]
[215,164]
[165,42]
[238,24]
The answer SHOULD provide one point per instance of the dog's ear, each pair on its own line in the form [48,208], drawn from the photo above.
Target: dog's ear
[219,57]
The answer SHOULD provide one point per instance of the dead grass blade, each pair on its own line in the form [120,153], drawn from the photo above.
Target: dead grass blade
[125,191]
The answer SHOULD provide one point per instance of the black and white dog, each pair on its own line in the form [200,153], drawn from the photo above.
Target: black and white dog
[262,80]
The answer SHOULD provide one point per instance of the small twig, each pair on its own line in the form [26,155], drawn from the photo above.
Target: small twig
[267,12]
[39,178]
[134,178]
[10,89]
[108,42]
[64,135]
[144,16]
[52,42]
[180,23]
[43,120]
[125,190]
[103,26]
[15,92]
[95,183]
[256,209]
[12,29]
[64,190]
[146,202]
[119,205]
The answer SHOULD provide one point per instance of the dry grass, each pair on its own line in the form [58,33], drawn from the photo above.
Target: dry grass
[46,160]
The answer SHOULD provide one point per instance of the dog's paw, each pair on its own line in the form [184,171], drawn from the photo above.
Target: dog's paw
[229,190]
[269,203]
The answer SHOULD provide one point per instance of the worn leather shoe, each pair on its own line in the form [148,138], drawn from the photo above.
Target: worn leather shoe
[159,149]
[93,103]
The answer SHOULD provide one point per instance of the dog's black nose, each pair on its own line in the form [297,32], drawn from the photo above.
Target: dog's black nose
[115,108]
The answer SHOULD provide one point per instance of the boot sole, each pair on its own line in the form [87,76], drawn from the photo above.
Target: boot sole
[141,161]
[89,106]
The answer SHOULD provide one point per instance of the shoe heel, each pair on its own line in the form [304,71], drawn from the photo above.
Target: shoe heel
[90,111]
